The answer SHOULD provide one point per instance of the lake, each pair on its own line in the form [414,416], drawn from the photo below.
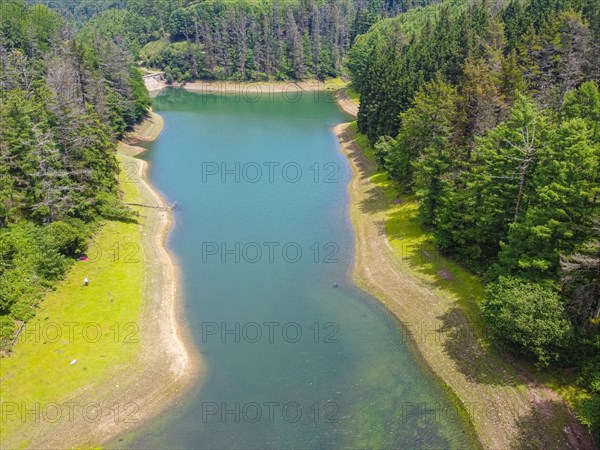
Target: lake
[296,355]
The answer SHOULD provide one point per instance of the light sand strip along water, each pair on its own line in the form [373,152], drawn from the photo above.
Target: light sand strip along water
[252,90]
[348,105]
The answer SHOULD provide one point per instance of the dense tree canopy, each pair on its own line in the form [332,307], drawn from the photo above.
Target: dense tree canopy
[64,101]
[527,315]
[490,116]
[245,40]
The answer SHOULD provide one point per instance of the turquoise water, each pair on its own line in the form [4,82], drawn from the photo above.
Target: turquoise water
[296,356]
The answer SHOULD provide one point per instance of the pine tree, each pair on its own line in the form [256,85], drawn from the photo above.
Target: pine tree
[481,105]
[560,202]
[424,139]
[584,102]
[511,77]
[475,216]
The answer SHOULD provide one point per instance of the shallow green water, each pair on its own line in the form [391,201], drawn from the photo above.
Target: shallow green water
[296,355]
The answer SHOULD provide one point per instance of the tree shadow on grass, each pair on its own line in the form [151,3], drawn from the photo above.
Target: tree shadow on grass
[374,201]
[420,253]
[476,363]
[533,431]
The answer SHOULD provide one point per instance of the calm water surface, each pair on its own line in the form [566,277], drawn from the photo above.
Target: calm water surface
[296,356]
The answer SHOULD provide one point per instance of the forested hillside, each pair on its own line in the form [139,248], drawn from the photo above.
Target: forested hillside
[491,117]
[64,102]
[245,40]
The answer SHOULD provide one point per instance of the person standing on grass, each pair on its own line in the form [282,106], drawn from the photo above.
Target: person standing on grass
[86,281]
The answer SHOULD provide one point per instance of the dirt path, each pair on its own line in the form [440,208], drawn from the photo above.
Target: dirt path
[506,411]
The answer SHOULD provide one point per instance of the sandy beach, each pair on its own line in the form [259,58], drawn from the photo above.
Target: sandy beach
[261,87]
[346,103]
[507,408]
[251,91]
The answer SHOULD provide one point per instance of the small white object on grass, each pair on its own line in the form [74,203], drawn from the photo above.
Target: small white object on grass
[74,362]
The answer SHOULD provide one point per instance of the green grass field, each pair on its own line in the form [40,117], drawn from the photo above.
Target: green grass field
[96,325]
[353,94]
[334,84]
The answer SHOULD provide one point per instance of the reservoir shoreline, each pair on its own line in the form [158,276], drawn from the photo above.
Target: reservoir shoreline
[171,364]
[251,91]
[147,360]
[168,364]
[502,405]
[494,411]
[349,107]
